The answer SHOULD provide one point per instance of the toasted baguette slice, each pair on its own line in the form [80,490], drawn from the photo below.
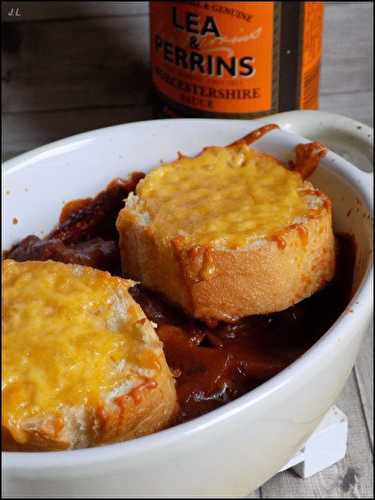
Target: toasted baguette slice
[82,365]
[229,233]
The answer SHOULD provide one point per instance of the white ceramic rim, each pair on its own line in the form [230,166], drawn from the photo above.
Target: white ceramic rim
[360,304]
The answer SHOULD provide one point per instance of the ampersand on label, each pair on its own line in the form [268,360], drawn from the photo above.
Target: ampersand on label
[194,42]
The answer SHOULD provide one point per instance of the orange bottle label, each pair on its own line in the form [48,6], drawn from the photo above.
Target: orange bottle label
[214,56]
[235,59]
[311,55]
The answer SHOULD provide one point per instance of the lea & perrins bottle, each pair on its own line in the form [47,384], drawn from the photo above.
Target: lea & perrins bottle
[235,59]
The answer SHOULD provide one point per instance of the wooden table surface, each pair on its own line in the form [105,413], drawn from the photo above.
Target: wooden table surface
[69,67]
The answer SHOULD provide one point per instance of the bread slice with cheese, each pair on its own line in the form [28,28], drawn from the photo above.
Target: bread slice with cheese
[229,233]
[82,365]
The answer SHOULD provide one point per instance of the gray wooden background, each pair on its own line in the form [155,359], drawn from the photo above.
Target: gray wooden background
[69,67]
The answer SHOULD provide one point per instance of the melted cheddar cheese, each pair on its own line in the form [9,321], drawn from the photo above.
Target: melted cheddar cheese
[225,196]
[71,336]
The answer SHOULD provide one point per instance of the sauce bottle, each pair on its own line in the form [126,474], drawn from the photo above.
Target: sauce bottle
[235,59]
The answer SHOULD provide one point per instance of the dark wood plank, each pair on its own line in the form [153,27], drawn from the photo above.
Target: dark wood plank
[25,131]
[44,11]
[80,63]
[68,10]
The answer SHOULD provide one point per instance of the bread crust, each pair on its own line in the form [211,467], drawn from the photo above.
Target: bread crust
[225,284]
[212,284]
[150,404]
[151,408]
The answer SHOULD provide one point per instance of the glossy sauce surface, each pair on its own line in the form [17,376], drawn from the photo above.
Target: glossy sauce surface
[212,365]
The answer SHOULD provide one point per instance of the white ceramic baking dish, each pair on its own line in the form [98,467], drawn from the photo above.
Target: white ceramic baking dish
[234,449]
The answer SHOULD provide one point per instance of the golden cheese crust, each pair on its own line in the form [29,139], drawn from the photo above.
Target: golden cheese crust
[228,234]
[82,365]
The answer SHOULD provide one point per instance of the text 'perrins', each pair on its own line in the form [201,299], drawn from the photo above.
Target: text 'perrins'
[199,29]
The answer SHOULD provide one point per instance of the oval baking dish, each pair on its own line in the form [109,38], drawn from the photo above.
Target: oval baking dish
[253,436]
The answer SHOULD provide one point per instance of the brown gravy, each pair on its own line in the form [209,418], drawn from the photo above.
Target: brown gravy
[212,365]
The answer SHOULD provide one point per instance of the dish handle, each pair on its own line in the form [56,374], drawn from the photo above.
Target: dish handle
[349,138]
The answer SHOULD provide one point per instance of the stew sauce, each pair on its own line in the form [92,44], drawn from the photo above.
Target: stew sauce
[212,365]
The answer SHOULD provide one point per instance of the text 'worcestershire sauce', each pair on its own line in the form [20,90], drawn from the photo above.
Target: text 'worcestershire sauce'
[235,59]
